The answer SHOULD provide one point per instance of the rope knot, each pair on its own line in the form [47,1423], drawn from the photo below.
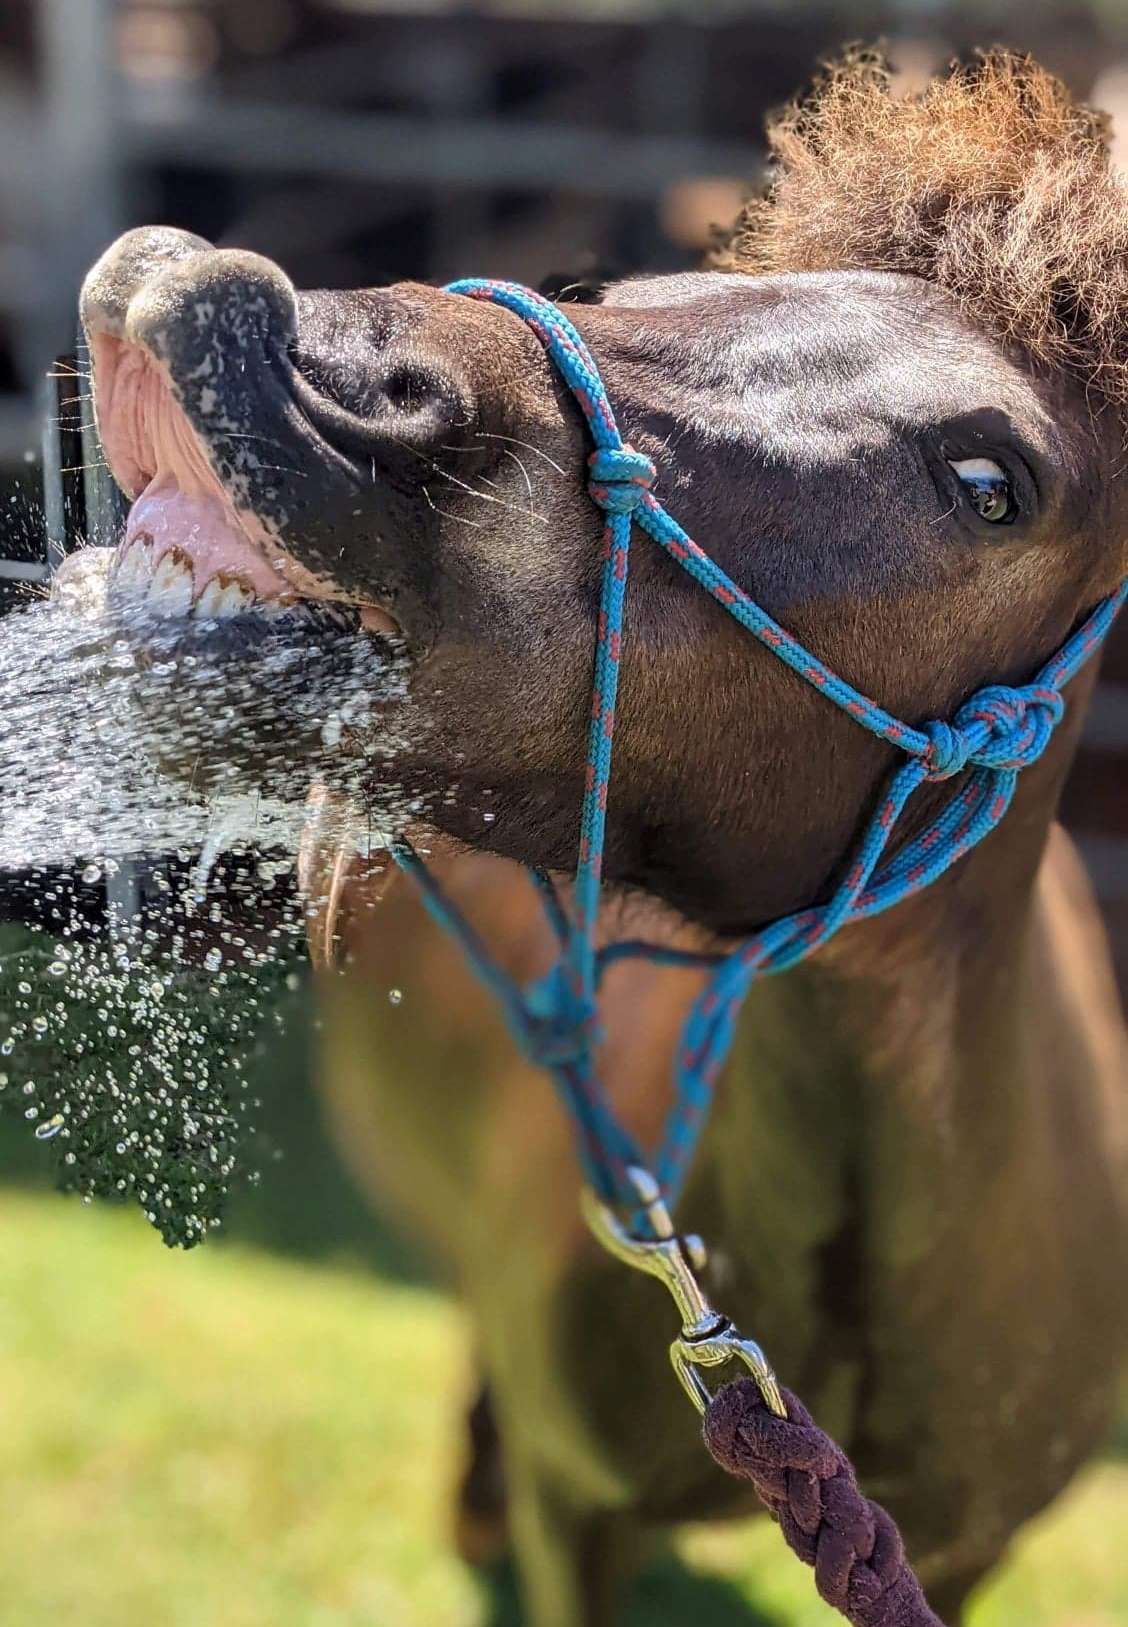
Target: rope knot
[560,1026]
[619,478]
[948,751]
[999,728]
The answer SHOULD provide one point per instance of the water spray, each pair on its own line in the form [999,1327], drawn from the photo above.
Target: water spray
[154,777]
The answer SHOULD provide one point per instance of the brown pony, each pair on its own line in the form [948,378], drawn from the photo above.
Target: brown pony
[897,416]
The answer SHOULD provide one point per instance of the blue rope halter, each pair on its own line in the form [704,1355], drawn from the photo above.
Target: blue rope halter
[995,734]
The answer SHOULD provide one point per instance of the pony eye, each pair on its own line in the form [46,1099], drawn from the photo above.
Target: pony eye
[988,489]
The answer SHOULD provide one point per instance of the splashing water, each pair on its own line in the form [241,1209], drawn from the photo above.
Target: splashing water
[122,734]
[132,1064]
[125,739]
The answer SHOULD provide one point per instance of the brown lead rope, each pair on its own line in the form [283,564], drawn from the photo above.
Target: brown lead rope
[808,1485]
[756,1429]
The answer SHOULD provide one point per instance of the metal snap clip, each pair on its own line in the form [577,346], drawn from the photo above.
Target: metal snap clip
[708,1338]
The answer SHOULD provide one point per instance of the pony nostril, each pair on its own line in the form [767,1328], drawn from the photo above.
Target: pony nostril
[417,403]
[412,390]
[409,398]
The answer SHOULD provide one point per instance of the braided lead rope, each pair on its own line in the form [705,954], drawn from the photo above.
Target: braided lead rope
[808,1486]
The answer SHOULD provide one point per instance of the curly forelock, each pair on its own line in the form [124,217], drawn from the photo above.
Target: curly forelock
[992,182]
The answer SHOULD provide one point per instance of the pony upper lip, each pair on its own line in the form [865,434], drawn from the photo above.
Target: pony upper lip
[188,549]
[183,531]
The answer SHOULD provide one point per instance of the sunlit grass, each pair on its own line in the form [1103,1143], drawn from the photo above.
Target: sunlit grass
[228,1440]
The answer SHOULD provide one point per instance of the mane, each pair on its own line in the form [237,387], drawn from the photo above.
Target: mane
[992,182]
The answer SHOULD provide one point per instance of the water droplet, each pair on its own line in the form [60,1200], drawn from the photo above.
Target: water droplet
[395,997]
[91,874]
[52,1126]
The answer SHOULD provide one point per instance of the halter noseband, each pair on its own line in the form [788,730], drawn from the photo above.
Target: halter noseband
[997,733]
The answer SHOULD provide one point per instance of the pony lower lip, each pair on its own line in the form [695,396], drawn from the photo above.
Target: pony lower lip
[188,550]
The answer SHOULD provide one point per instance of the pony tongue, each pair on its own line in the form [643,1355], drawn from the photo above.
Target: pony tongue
[204,529]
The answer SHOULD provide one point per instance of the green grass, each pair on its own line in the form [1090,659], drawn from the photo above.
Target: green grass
[231,1439]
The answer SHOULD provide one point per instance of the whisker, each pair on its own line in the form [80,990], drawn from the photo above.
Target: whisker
[524,474]
[485,496]
[490,435]
[482,496]
[445,514]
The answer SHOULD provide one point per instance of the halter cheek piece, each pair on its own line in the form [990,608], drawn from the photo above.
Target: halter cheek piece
[997,733]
